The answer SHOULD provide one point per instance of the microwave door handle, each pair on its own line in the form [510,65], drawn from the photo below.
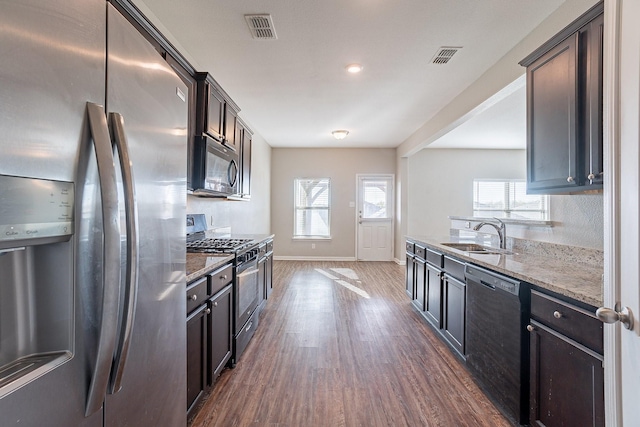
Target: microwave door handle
[232,177]
[131,287]
[111,258]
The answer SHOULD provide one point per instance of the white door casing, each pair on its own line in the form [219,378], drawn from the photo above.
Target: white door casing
[622,208]
[374,217]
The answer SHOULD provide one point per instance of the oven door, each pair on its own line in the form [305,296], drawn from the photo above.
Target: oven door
[246,292]
[215,169]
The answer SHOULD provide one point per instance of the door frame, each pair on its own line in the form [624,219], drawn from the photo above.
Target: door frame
[392,208]
[612,250]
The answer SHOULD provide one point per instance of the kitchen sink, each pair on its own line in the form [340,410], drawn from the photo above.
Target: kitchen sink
[476,248]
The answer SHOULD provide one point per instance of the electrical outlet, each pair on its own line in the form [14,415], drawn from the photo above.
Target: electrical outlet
[313,246]
[467,224]
[212,220]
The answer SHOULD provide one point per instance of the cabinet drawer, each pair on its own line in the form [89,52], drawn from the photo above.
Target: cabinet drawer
[574,322]
[196,294]
[420,252]
[220,278]
[434,258]
[454,267]
[262,250]
[410,247]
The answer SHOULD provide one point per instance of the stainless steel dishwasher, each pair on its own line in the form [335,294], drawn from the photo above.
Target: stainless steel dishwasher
[496,349]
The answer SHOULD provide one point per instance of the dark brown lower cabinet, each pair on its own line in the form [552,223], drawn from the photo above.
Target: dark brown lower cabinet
[409,277]
[567,381]
[419,280]
[268,275]
[196,357]
[433,299]
[454,312]
[220,333]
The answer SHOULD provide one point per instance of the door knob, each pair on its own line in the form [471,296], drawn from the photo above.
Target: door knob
[607,315]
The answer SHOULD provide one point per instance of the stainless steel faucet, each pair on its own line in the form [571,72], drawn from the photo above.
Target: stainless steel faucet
[501,229]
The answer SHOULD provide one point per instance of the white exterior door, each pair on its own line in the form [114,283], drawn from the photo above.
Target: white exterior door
[622,209]
[375,218]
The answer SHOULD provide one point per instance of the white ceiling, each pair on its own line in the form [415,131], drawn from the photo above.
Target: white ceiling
[500,126]
[294,91]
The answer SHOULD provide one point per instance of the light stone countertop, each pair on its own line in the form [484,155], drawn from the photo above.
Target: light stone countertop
[578,281]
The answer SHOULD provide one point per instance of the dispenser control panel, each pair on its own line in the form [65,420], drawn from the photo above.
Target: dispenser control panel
[33,208]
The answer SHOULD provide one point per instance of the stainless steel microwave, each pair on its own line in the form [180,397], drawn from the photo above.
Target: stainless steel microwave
[215,168]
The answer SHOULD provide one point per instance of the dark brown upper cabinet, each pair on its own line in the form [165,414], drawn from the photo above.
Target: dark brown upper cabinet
[564,109]
[216,113]
[244,140]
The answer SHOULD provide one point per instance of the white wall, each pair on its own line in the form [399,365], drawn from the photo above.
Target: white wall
[339,164]
[252,217]
[440,182]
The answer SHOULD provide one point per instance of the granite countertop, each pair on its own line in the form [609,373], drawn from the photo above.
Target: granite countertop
[579,281]
[200,264]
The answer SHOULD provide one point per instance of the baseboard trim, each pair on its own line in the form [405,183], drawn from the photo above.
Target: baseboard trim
[311,258]
[399,262]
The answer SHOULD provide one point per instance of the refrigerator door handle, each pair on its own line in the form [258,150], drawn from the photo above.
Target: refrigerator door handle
[116,122]
[111,258]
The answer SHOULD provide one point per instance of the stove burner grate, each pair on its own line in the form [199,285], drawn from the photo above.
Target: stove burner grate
[217,245]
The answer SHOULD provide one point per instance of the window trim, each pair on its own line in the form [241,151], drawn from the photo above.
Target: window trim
[296,236]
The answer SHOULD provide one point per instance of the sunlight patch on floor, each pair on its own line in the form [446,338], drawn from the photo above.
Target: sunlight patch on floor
[349,273]
[346,272]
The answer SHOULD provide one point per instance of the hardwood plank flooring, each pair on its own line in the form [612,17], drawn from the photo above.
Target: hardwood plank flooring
[339,344]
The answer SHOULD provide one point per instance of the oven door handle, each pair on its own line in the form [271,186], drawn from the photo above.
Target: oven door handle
[248,272]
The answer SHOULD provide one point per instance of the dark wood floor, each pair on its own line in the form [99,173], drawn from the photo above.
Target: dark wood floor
[339,345]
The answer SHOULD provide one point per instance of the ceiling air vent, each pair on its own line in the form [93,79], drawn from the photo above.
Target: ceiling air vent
[444,54]
[261,27]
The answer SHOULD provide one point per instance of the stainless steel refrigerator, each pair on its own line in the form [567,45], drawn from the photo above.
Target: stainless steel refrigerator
[93,134]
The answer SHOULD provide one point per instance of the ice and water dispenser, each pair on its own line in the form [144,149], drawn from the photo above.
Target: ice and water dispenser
[36,278]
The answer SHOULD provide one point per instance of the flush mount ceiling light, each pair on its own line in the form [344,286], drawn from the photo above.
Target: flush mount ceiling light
[354,68]
[340,134]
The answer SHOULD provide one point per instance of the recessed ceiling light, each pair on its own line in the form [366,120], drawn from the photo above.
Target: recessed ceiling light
[340,134]
[354,68]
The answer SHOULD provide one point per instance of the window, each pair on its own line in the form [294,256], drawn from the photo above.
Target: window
[376,198]
[312,204]
[508,199]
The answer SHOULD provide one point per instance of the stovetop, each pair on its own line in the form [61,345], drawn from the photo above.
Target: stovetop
[216,245]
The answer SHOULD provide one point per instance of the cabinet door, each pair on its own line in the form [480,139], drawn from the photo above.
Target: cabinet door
[230,119]
[552,157]
[215,114]
[245,164]
[262,278]
[220,338]
[196,356]
[566,384]
[269,275]
[454,312]
[433,299]
[409,277]
[591,52]
[420,282]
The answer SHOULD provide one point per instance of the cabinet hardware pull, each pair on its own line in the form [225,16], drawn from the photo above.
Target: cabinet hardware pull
[208,311]
[557,314]
[591,177]
[223,277]
[570,179]
[193,297]
[249,326]
[215,304]
[530,328]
